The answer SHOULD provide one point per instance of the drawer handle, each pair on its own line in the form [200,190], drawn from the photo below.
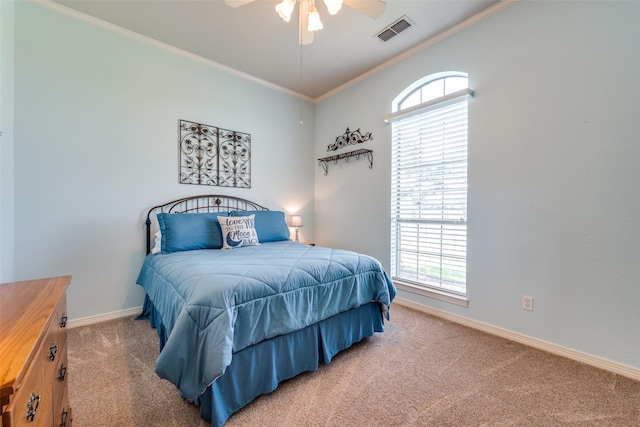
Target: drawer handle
[63,418]
[63,321]
[63,373]
[31,411]
[53,349]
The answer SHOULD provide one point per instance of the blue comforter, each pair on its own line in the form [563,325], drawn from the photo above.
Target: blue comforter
[214,303]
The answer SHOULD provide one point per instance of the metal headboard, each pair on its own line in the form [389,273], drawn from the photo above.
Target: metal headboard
[207,203]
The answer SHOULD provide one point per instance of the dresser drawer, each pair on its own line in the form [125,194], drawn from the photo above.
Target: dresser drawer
[61,321]
[33,340]
[55,340]
[63,417]
[60,381]
[31,405]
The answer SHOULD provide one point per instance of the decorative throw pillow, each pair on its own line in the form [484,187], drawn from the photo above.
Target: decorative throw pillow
[238,231]
[270,225]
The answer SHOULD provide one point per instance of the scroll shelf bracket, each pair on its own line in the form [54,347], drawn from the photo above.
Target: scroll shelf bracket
[324,162]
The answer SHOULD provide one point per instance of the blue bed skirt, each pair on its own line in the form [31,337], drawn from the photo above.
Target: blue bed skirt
[260,368]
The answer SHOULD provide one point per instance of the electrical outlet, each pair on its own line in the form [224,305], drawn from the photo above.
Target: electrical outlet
[527,303]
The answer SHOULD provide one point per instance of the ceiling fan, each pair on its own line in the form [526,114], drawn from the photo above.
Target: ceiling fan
[309,18]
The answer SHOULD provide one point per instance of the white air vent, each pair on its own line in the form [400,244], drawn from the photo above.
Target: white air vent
[394,29]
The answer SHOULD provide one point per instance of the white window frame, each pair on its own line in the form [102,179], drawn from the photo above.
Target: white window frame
[440,238]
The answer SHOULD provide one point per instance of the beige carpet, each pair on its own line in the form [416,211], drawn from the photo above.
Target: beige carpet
[423,371]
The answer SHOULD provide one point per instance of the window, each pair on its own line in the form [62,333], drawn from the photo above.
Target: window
[429,187]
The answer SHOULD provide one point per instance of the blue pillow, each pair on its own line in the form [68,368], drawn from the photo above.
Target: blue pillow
[270,225]
[184,232]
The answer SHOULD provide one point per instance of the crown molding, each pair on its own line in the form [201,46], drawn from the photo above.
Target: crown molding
[164,46]
[492,10]
[467,23]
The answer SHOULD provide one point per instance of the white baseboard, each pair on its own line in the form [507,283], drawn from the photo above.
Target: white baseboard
[90,320]
[595,361]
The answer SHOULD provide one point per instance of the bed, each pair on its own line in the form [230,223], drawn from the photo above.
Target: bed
[239,307]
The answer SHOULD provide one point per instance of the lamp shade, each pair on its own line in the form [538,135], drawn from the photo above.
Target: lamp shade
[314,19]
[333,6]
[285,9]
[296,221]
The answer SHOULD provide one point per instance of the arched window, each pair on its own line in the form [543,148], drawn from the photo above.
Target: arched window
[429,185]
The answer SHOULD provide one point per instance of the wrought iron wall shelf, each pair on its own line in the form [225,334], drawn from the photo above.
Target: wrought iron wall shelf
[324,162]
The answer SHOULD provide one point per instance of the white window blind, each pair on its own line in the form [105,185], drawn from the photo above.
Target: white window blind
[429,197]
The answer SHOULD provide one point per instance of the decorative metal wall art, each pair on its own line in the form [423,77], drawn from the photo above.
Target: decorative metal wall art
[349,138]
[324,162]
[213,156]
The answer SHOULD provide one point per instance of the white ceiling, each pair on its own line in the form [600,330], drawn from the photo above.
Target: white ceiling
[254,40]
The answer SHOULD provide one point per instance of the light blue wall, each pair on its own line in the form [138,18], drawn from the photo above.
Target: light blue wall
[553,171]
[7,14]
[96,128]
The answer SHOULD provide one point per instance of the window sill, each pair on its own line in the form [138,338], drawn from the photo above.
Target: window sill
[440,295]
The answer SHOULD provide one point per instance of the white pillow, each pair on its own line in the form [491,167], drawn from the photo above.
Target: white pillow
[158,245]
[238,231]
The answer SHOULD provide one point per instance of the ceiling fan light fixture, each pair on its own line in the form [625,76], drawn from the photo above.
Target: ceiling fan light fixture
[285,8]
[314,19]
[333,6]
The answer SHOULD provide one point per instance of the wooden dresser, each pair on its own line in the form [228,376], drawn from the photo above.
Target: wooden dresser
[33,353]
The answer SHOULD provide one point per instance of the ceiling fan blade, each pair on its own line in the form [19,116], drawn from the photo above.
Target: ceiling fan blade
[305,36]
[237,3]
[372,8]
